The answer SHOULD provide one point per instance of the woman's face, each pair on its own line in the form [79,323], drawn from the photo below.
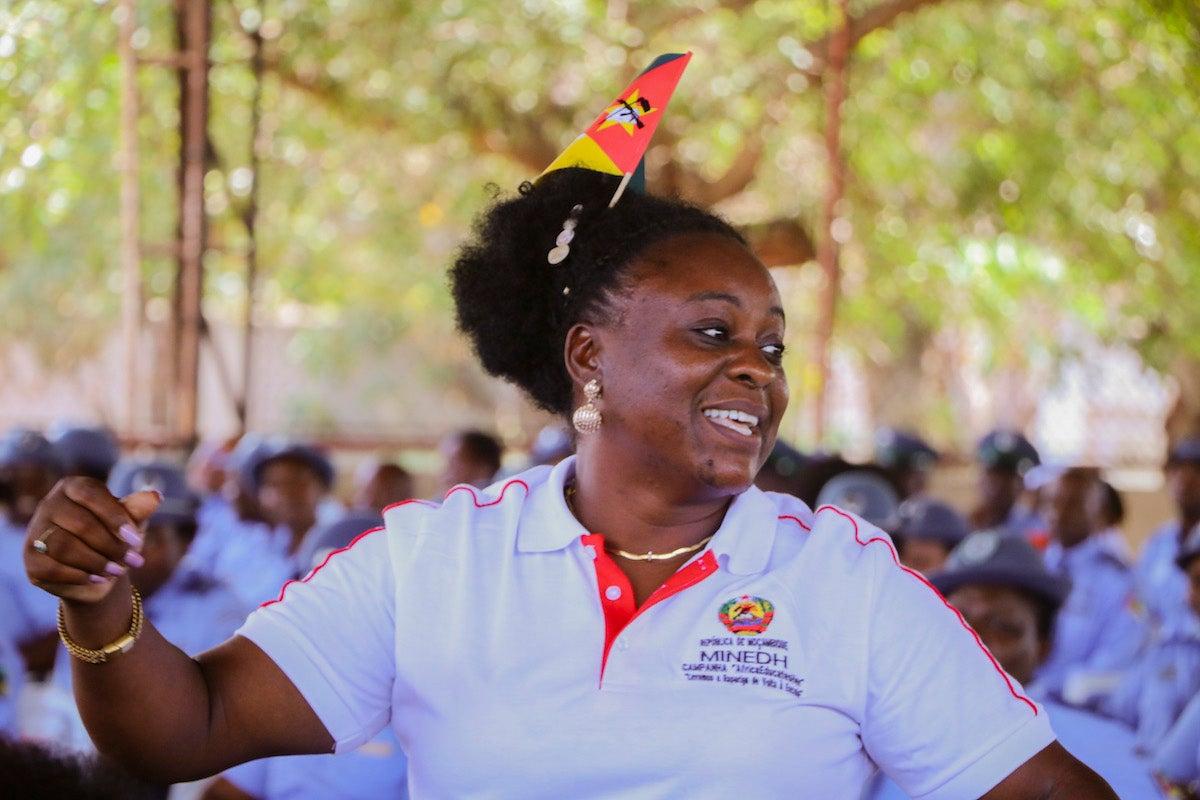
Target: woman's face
[690,364]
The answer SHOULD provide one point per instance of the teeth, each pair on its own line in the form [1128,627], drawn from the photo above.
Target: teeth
[734,420]
[736,416]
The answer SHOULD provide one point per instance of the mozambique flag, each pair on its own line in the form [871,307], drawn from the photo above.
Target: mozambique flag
[617,140]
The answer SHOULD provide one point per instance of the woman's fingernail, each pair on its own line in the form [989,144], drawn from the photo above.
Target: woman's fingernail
[114,569]
[134,559]
[98,579]
[130,535]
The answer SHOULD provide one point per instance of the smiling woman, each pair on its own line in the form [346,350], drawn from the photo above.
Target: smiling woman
[616,625]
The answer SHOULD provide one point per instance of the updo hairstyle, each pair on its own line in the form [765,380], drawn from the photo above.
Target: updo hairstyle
[517,308]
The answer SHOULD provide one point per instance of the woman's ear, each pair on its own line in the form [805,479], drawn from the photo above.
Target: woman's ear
[582,353]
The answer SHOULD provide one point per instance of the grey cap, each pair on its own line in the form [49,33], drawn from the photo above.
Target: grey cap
[304,452]
[1007,450]
[999,558]
[26,447]
[862,492]
[926,518]
[901,450]
[179,503]
[85,449]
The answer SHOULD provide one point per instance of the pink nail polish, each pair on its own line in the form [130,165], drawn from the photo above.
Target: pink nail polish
[114,569]
[98,579]
[130,535]
[134,559]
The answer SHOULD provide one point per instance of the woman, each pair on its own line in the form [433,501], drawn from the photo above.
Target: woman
[638,621]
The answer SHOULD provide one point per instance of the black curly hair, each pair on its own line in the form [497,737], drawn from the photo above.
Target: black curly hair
[517,308]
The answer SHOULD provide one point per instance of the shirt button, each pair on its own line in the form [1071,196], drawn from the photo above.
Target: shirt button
[613,593]
[622,644]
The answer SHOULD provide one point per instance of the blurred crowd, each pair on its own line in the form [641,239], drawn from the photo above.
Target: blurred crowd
[1035,560]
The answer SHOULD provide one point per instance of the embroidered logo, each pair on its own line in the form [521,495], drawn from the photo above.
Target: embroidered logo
[746,615]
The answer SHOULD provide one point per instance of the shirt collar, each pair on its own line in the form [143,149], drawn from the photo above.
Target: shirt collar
[546,522]
[744,539]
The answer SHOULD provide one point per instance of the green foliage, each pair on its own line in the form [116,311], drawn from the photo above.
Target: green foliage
[1009,163]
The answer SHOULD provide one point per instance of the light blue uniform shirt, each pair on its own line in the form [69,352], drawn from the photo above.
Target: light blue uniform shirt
[34,611]
[12,678]
[377,769]
[1097,630]
[1154,691]
[1178,757]
[1162,587]
[1105,746]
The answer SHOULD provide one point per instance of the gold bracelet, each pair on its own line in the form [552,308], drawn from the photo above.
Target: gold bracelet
[122,645]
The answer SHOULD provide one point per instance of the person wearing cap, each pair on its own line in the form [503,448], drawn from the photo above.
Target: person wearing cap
[290,479]
[380,484]
[30,466]
[782,470]
[909,457]
[997,581]
[864,491]
[1004,456]
[377,769]
[89,450]
[470,458]
[1153,692]
[1098,633]
[616,625]
[925,531]
[1161,586]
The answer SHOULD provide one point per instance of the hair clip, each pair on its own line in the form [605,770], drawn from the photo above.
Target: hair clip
[562,244]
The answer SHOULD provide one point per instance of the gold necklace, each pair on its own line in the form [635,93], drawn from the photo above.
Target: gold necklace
[650,555]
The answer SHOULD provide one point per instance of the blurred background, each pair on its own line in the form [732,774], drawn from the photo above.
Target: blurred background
[235,216]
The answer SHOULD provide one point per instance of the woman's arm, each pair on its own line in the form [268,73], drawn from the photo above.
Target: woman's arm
[1052,774]
[161,714]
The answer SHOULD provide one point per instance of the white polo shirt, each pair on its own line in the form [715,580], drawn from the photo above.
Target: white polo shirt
[787,660]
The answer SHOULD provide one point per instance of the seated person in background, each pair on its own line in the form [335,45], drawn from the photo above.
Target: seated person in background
[1153,692]
[862,491]
[997,582]
[471,457]
[1003,458]
[381,484]
[1162,587]
[924,531]
[1098,633]
[193,612]
[12,677]
[908,456]
[29,467]
[234,513]
[289,479]
[206,472]
[782,469]
[377,769]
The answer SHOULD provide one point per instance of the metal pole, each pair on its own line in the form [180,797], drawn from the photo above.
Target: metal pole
[131,294]
[192,223]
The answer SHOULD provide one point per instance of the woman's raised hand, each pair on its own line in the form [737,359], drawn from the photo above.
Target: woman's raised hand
[81,538]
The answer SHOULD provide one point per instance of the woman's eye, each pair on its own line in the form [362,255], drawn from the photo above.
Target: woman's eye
[714,332]
[773,352]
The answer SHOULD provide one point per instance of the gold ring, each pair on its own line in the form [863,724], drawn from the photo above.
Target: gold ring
[40,544]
